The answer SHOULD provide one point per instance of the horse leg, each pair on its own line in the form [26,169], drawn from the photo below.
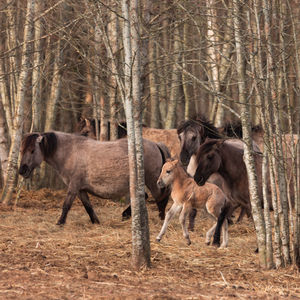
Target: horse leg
[162,207]
[209,234]
[66,207]
[170,214]
[192,217]
[83,196]
[182,219]
[224,234]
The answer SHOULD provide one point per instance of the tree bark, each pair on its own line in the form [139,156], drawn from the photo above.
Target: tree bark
[249,156]
[140,229]
[19,110]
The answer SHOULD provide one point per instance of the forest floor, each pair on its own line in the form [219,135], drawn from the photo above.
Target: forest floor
[40,260]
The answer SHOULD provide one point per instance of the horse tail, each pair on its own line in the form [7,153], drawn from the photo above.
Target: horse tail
[223,215]
[165,192]
[164,151]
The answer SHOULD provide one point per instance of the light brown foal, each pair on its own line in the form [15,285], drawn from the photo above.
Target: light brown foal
[187,195]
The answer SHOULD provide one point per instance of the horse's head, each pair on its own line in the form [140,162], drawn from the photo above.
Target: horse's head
[166,176]
[34,149]
[208,160]
[86,127]
[192,134]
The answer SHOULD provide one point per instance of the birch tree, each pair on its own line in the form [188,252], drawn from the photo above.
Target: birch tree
[132,103]
[19,106]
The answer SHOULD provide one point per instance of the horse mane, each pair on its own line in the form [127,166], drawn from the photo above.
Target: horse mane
[201,124]
[48,144]
[208,145]
[233,129]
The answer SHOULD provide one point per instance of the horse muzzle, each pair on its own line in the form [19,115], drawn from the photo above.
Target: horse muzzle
[25,171]
[199,179]
[160,184]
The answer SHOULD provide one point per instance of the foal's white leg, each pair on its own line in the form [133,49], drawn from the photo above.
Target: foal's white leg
[210,233]
[225,234]
[182,219]
[169,216]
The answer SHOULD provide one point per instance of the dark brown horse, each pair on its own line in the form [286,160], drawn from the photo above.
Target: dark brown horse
[89,166]
[192,134]
[221,156]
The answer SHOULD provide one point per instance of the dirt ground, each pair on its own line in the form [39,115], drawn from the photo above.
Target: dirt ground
[40,260]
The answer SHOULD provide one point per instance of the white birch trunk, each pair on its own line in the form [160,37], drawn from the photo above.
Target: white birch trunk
[248,156]
[140,229]
[12,168]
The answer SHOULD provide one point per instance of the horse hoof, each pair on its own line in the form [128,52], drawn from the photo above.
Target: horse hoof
[217,245]
[189,242]
[158,240]
[96,221]
[60,223]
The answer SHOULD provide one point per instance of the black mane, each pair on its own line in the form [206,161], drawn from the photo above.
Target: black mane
[48,144]
[200,123]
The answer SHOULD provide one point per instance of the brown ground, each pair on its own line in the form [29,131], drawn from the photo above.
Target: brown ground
[40,260]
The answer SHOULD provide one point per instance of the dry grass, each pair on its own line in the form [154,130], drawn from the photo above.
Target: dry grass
[40,260]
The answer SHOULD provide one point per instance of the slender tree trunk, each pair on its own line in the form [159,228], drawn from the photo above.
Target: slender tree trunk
[3,146]
[140,229]
[36,69]
[278,140]
[112,32]
[20,101]
[249,157]
[176,82]
[55,91]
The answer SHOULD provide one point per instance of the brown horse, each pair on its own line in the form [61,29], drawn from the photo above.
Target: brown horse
[89,166]
[222,157]
[168,137]
[192,134]
[187,195]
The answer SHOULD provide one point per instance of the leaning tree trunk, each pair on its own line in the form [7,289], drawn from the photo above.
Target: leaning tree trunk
[19,110]
[249,156]
[140,229]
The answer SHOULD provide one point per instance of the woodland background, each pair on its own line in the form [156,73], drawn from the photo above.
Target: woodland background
[62,60]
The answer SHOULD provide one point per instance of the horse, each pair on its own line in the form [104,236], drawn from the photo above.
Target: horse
[89,166]
[187,195]
[216,155]
[235,130]
[192,134]
[168,137]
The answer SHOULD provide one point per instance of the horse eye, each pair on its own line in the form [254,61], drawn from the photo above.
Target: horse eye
[32,151]
[193,138]
[168,171]
[210,156]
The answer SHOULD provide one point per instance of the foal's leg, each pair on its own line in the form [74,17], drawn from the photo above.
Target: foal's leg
[170,214]
[66,207]
[182,218]
[83,196]
[192,217]
[209,234]
[225,234]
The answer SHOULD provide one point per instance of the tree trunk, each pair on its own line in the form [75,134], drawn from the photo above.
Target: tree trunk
[19,110]
[175,83]
[140,229]
[249,157]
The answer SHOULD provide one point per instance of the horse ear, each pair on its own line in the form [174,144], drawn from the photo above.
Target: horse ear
[87,122]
